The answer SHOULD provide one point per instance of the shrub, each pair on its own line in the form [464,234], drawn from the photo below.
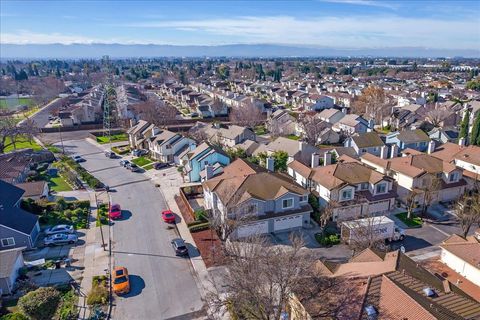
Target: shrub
[61,204]
[98,295]
[199,227]
[327,240]
[40,304]
[68,309]
[200,215]
[13,316]
[194,223]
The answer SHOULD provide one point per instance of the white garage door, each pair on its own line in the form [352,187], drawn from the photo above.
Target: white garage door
[379,206]
[287,222]
[252,229]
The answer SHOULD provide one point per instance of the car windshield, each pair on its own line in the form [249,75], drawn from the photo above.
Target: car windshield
[120,280]
[182,248]
[169,215]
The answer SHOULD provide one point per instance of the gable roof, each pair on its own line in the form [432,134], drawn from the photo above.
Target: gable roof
[32,189]
[367,139]
[410,136]
[10,194]
[18,219]
[8,258]
[466,249]
[342,173]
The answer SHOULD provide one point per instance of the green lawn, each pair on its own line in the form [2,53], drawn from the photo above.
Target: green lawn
[259,130]
[22,144]
[414,222]
[58,184]
[21,101]
[141,161]
[114,138]
[293,137]
[148,166]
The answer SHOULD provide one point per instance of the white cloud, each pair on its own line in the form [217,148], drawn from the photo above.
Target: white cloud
[369,3]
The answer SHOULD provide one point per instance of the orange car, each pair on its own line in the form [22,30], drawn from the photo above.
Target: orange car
[121,283]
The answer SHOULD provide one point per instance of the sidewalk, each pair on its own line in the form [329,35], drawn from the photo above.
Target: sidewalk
[96,259]
[169,181]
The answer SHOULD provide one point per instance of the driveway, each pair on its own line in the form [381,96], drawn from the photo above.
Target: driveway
[163,285]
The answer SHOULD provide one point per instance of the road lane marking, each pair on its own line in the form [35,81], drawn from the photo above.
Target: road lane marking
[439,230]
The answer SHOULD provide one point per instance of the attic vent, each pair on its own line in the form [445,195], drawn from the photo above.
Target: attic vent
[429,292]
[371,311]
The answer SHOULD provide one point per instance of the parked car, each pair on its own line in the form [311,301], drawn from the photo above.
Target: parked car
[60,228]
[179,246]
[60,239]
[139,152]
[50,117]
[160,165]
[124,163]
[133,167]
[115,212]
[168,216]
[121,281]
[110,154]
[78,159]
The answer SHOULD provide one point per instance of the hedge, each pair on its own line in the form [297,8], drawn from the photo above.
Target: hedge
[40,304]
[84,175]
[199,227]
[195,223]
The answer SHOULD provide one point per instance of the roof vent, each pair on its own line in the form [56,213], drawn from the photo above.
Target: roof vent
[429,292]
[371,312]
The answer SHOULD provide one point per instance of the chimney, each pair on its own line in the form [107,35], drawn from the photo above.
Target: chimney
[461,141]
[371,125]
[384,152]
[302,145]
[394,151]
[208,172]
[431,147]
[315,160]
[270,164]
[327,158]
[132,122]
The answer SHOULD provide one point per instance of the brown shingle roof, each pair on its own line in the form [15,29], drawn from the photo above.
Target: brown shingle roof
[367,139]
[335,175]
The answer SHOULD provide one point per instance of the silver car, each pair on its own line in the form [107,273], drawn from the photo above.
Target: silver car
[60,228]
[60,239]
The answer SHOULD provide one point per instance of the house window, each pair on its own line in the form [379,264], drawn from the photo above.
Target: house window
[168,146]
[364,186]
[381,188]
[346,194]
[8,242]
[453,177]
[287,203]
[251,208]
[303,198]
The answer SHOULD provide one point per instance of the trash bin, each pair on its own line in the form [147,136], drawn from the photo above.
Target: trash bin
[58,264]
[68,262]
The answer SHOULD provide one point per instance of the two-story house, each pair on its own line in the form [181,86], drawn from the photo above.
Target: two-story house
[421,174]
[135,136]
[349,187]
[267,201]
[352,123]
[281,123]
[18,228]
[205,156]
[368,142]
[412,139]
[166,146]
[226,135]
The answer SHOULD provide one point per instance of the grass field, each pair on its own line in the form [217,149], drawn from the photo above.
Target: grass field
[414,222]
[114,138]
[148,167]
[293,137]
[58,184]
[22,144]
[141,161]
[21,101]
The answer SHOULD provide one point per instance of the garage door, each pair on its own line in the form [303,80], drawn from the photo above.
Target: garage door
[379,206]
[288,222]
[253,229]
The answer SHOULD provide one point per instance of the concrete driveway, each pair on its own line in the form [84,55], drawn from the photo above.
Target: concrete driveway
[163,285]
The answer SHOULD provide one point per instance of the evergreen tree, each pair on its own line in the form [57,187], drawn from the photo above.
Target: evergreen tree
[464,125]
[22,75]
[35,70]
[57,73]
[475,136]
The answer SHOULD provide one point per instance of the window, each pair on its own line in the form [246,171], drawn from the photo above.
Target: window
[303,198]
[364,186]
[346,194]
[287,203]
[251,208]
[453,177]
[381,188]
[8,242]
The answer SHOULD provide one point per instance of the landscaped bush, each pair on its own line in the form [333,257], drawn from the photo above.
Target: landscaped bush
[71,212]
[199,227]
[68,309]
[102,215]
[14,316]
[40,304]
[84,175]
[327,240]
[121,150]
[200,215]
[99,293]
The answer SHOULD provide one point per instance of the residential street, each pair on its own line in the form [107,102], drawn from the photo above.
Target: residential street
[162,285]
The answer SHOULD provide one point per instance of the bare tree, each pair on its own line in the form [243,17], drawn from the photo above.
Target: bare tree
[312,127]
[11,133]
[46,90]
[327,212]
[366,234]
[468,212]
[217,107]
[156,112]
[436,116]
[247,115]
[374,103]
[411,203]
[430,193]
[260,278]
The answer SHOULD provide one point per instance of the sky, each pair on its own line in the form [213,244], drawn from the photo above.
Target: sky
[326,23]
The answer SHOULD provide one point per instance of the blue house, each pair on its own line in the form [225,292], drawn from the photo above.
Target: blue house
[413,139]
[18,228]
[203,156]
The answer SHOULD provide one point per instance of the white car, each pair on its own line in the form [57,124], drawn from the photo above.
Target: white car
[60,239]
[78,159]
[61,228]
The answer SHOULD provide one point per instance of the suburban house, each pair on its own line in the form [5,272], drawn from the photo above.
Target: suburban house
[136,134]
[352,123]
[444,135]
[379,285]
[12,261]
[467,158]
[35,190]
[167,146]
[412,139]
[18,228]
[420,173]
[331,115]
[205,161]
[281,122]
[296,150]
[14,167]
[223,134]
[268,201]
[317,102]
[368,142]
[463,256]
[351,188]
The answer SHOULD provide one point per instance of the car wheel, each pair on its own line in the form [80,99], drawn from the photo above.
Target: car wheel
[402,237]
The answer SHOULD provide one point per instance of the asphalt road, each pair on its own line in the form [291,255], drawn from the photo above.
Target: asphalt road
[163,285]
[41,117]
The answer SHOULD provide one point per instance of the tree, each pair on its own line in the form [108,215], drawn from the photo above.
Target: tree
[10,132]
[468,212]
[411,203]
[436,116]
[430,192]
[260,278]
[156,112]
[280,158]
[247,115]
[366,234]
[475,135]
[40,304]
[374,103]
[312,127]
[464,125]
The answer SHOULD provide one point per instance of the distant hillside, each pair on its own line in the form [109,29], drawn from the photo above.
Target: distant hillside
[235,50]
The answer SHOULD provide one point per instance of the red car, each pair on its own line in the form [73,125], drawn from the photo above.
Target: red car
[115,212]
[168,216]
